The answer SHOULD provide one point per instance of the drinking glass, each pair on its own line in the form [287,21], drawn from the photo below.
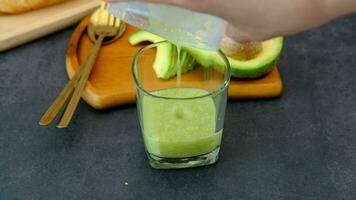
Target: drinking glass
[181,117]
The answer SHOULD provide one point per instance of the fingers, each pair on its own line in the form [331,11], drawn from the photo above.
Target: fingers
[236,34]
[111,1]
[200,5]
[247,35]
[204,6]
[174,2]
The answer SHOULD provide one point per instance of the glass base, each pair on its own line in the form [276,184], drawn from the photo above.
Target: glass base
[179,163]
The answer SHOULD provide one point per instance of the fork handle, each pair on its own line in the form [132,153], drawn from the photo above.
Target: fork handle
[72,105]
[58,103]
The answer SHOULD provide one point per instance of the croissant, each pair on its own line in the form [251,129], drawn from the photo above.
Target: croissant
[20,6]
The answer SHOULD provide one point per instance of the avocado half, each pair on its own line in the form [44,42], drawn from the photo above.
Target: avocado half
[257,66]
[260,64]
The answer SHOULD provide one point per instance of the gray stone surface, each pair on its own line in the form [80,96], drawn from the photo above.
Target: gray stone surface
[299,146]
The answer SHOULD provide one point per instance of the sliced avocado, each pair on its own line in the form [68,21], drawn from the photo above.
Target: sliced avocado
[259,65]
[165,62]
[166,55]
[143,36]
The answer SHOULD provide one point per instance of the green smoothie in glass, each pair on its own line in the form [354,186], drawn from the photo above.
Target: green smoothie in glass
[175,128]
[181,106]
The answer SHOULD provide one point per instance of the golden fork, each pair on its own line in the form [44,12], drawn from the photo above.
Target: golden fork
[102,24]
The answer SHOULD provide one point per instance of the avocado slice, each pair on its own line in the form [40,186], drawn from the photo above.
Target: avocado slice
[165,64]
[257,66]
[165,61]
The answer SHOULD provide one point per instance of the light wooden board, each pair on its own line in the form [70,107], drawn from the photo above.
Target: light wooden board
[19,29]
[110,83]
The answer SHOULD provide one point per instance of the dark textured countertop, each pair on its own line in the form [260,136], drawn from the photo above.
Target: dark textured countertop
[299,146]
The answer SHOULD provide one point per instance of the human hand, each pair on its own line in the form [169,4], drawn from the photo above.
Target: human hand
[258,20]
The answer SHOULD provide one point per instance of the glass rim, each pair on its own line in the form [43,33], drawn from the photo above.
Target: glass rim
[224,86]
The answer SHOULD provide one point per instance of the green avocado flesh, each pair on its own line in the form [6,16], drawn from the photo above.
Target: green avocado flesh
[165,62]
[180,128]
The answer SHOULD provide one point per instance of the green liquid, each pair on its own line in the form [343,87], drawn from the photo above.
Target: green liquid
[179,67]
[179,128]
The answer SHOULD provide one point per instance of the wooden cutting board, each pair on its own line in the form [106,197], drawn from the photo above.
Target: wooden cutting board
[110,83]
[19,29]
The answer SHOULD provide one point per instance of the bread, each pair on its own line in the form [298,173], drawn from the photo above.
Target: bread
[20,6]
